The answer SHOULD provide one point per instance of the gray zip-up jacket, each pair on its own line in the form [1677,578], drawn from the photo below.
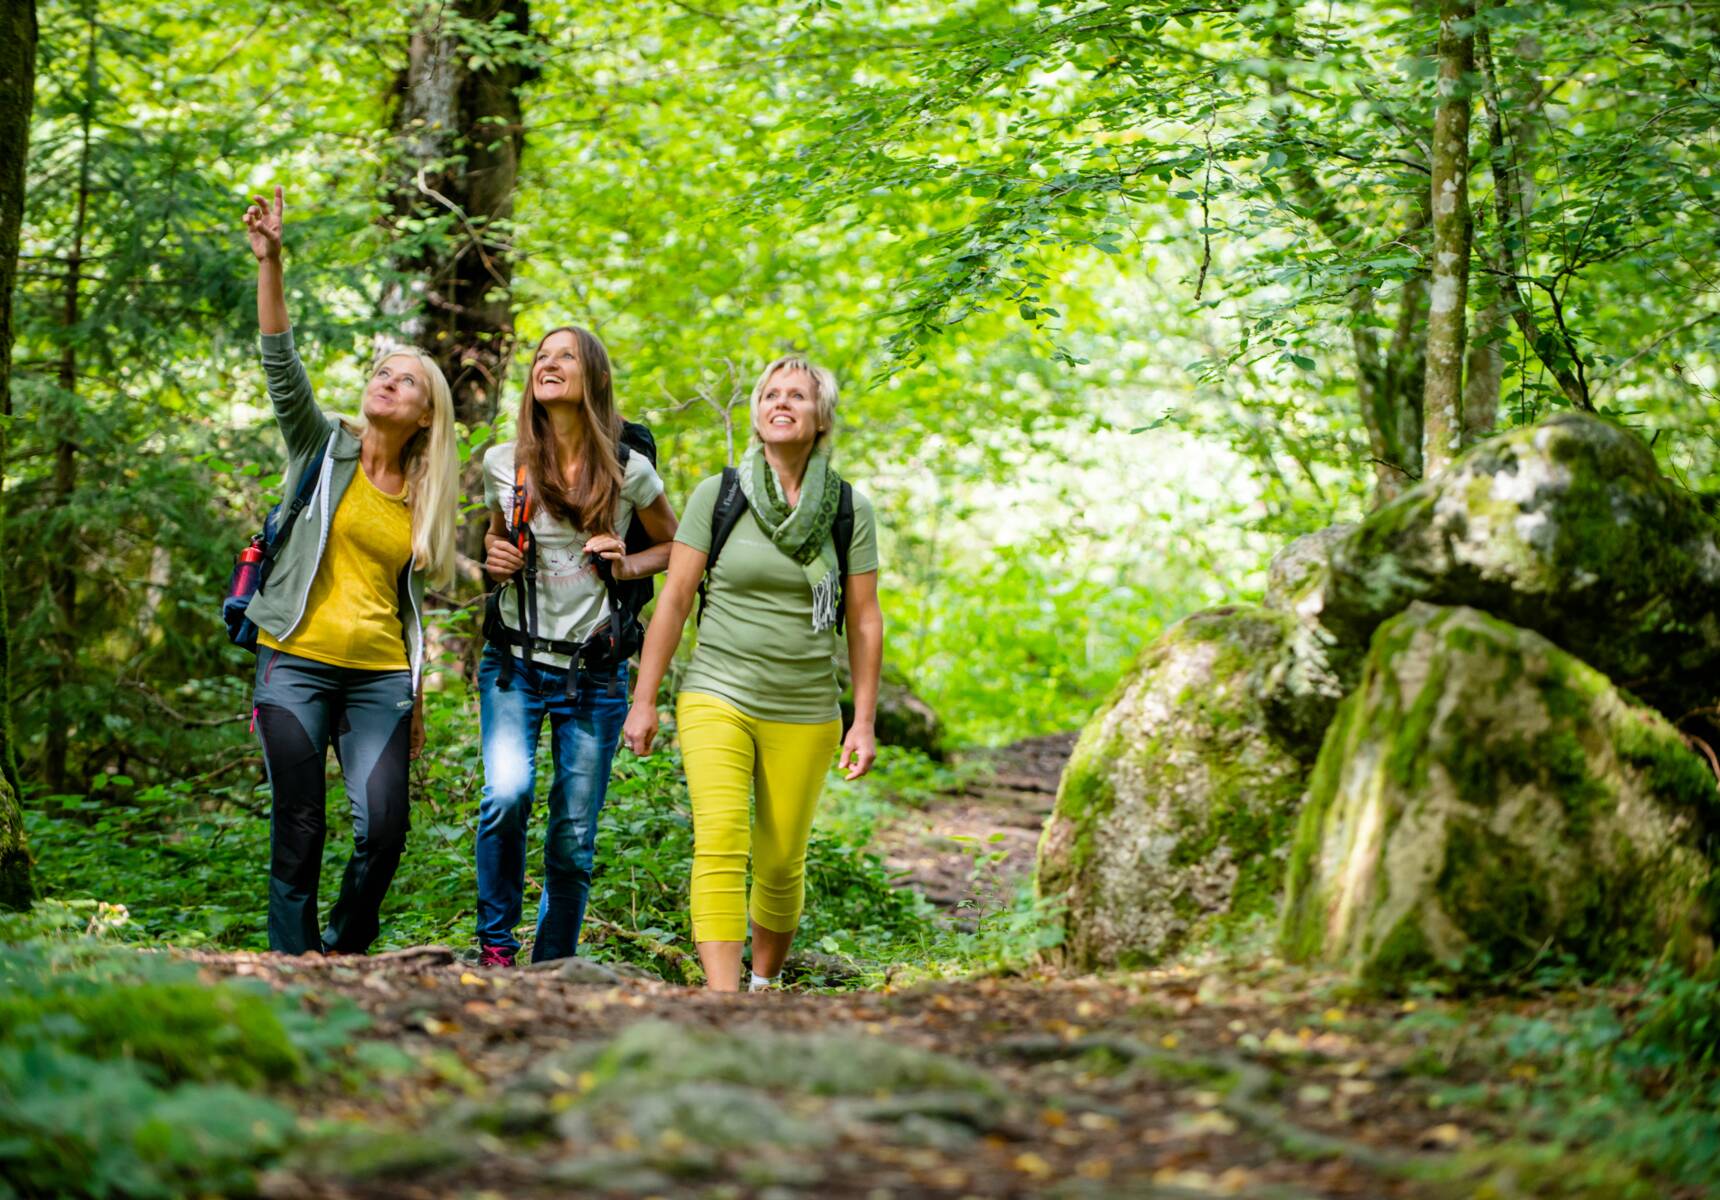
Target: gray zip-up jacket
[279,606]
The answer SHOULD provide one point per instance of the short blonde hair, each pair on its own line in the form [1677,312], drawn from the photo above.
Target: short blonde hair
[823,393]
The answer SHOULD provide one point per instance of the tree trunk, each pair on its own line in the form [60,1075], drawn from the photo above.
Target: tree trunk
[1388,382]
[17,93]
[62,572]
[1448,291]
[460,137]
[1483,372]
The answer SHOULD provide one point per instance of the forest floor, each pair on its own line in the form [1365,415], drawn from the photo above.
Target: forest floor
[1191,1081]
[1156,1084]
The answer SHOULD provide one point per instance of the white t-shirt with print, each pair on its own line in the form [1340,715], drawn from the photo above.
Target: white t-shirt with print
[570,596]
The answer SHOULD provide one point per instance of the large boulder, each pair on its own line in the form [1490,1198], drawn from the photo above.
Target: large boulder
[1485,801]
[1565,527]
[1174,813]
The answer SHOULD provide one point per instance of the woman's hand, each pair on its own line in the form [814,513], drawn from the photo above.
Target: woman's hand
[612,550]
[640,729]
[502,559]
[859,750]
[263,227]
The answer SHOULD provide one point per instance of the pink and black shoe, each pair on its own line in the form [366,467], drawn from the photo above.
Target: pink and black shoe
[495,956]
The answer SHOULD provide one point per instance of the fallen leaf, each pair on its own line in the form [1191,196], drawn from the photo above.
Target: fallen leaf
[1094,1168]
[1031,1164]
[1313,1093]
[1440,1137]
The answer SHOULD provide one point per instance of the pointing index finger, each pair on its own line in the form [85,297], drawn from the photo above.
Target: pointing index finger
[280,201]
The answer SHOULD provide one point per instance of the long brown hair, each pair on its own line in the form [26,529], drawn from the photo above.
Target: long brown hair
[588,502]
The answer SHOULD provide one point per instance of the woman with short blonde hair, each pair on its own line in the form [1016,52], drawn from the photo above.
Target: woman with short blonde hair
[787,552]
[340,644]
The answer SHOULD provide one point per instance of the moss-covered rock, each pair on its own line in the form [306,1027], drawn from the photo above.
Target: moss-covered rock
[663,1100]
[1565,527]
[1298,564]
[1175,810]
[1484,801]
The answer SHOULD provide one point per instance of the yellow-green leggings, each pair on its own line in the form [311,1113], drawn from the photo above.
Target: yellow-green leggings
[728,755]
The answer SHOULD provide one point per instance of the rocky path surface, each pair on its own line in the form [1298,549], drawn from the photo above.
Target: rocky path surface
[574,1081]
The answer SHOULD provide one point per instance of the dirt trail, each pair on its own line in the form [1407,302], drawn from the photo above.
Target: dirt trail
[969,851]
[1160,1084]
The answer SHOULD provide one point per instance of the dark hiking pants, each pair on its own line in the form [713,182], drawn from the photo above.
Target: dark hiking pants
[301,706]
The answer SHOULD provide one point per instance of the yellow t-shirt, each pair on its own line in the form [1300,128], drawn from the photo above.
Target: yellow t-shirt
[352,617]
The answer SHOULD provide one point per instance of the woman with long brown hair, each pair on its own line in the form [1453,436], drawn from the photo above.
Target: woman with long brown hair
[561,499]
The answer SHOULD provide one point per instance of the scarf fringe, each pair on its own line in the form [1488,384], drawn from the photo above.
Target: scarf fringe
[825,596]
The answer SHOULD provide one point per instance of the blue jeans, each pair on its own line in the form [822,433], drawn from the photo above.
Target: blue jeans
[585,729]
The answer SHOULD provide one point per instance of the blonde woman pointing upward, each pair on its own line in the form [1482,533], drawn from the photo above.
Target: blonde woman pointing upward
[787,553]
[340,644]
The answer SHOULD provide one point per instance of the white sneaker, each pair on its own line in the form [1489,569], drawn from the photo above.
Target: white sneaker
[761,984]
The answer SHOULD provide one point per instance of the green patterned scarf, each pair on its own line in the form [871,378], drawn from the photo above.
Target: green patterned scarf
[801,532]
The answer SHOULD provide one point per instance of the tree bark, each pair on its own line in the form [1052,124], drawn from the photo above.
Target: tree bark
[459,138]
[17,95]
[62,572]
[1448,289]
[1483,373]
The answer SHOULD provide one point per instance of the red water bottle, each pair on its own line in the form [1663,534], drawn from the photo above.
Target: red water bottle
[245,577]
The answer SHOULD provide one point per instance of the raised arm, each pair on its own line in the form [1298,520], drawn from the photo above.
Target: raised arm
[686,568]
[302,424]
[263,223]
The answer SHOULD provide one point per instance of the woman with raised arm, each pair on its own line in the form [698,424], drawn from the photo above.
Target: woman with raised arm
[788,552]
[340,646]
[567,489]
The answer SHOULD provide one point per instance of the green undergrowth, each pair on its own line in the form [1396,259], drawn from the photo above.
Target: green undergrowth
[123,1074]
[1613,1092]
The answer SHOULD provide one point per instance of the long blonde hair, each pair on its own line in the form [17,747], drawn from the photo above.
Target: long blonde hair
[432,469]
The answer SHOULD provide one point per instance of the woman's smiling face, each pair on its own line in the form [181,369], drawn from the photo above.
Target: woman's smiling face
[398,391]
[788,409]
[558,377]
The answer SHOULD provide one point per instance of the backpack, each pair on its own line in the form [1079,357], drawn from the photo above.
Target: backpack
[732,502]
[620,635]
[251,569]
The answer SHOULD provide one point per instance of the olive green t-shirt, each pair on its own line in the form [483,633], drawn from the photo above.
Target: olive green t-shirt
[756,646]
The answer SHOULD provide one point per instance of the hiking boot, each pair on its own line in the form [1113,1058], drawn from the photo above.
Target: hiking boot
[495,956]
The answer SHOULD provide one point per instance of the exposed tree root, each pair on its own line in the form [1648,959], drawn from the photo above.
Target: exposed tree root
[1244,1098]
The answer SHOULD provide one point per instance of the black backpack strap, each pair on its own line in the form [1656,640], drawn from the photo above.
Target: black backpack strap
[842,533]
[731,503]
[301,498]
